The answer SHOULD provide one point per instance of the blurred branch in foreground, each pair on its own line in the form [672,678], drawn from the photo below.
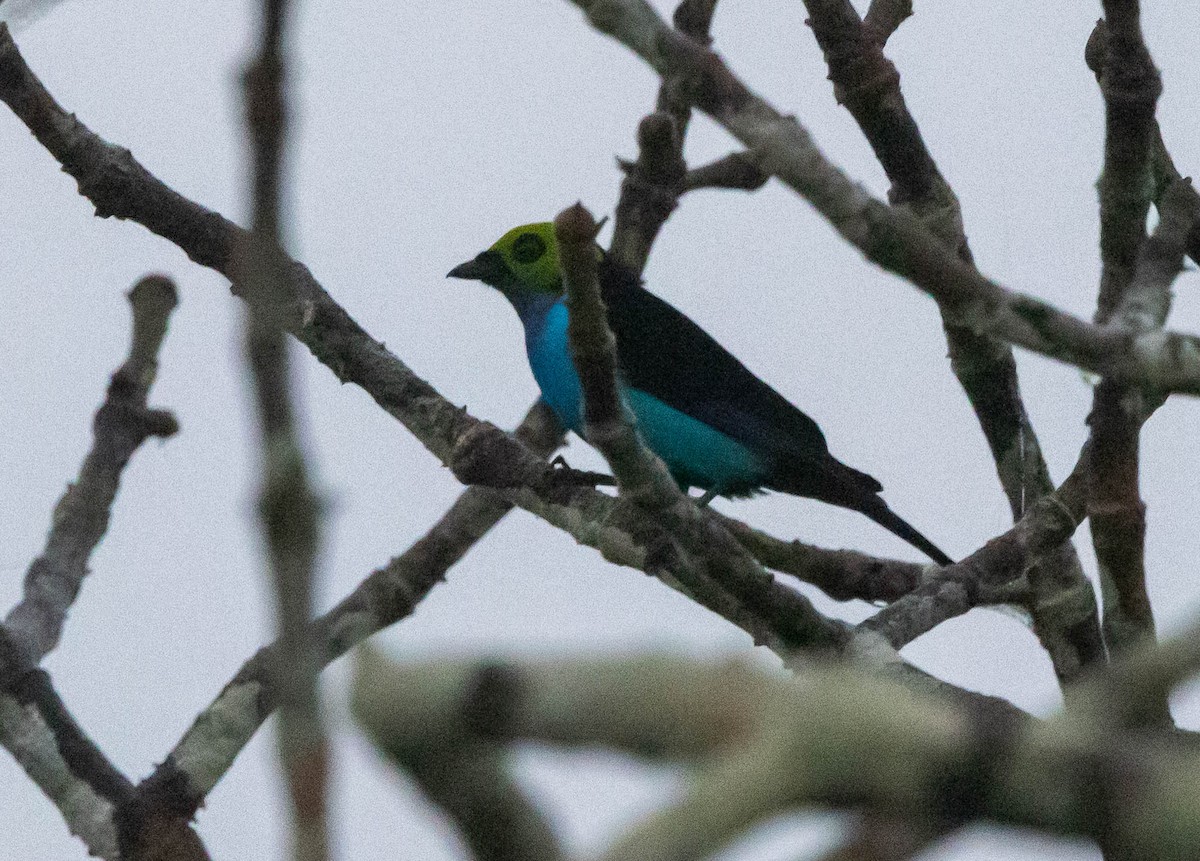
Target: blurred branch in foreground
[760,744]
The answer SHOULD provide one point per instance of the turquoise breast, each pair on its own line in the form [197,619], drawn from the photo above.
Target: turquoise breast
[696,454]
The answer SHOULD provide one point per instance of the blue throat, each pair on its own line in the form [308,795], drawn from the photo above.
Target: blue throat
[696,454]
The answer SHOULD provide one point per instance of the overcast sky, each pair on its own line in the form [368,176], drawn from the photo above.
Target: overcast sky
[424,130]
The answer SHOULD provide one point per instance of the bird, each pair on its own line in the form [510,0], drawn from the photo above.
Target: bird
[715,425]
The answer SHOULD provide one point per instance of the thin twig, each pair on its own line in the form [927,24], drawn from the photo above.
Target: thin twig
[840,574]
[122,423]
[652,185]
[96,800]
[288,507]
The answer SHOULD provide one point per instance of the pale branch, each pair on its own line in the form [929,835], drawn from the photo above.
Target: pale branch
[868,84]
[892,237]
[96,801]
[288,508]
[652,185]
[955,589]
[461,763]
[393,592]
[37,729]
[81,516]
[762,744]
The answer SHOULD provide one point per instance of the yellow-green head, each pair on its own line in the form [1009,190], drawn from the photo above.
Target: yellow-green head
[524,260]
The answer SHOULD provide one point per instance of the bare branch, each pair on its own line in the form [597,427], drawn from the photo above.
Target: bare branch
[1131,87]
[884,17]
[840,574]
[95,799]
[735,170]
[763,744]
[955,589]
[868,84]
[707,565]
[1162,165]
[388,595]
[892,237]
[122,423]
[37,729]
[607,424]
[650,190]
[288,508]
[653,183]
[1115,508]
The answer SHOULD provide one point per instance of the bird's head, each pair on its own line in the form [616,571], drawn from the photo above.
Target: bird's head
[522,262]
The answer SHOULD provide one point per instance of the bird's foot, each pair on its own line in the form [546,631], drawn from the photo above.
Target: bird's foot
[708,496]
[565,475]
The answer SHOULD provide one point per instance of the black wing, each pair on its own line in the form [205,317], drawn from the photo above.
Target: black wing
[666,355]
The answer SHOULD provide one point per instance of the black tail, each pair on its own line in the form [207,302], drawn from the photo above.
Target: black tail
[846,486]
[876,509]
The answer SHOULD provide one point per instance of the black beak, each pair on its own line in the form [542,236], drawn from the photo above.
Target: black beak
[487,267]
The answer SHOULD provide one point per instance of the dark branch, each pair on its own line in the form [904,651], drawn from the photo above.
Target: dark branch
[735,171]
[1131,86]
[653,183]
[884,17]
[868,84]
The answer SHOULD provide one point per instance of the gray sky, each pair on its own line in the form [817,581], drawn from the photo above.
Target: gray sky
[424,131]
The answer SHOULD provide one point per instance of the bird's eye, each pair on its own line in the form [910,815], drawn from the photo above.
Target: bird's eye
[528,248]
